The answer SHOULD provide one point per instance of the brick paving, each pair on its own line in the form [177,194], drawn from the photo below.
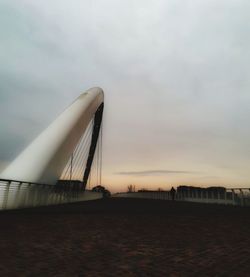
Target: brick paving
[126,237]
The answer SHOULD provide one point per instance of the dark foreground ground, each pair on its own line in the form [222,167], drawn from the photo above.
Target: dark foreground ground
[126,237]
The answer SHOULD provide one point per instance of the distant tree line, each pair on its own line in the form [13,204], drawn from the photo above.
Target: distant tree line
[214,189]
[209,189]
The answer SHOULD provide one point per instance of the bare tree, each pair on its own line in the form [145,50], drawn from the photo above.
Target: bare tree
[131,188]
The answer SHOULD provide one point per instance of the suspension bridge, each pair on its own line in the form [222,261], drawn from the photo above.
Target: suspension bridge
[63,162]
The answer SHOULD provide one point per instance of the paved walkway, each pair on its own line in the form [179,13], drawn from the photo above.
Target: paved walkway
[126,237]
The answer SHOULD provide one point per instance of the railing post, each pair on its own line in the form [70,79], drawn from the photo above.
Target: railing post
[27,199]
[241,198]
[33,195]
[213,196]
[233,197]
[39,195]
[6,195]
[18,194]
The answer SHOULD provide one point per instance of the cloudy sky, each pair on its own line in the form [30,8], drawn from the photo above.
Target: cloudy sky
[175,75]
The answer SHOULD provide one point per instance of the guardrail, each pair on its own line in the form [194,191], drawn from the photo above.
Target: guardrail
[159,195]
[232,196]
[17,194]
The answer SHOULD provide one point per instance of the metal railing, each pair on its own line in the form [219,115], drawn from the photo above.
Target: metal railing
[159,195]
[16,194]
[232,196]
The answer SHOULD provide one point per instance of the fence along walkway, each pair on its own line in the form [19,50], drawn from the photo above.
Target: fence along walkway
[16,195]
[232,196]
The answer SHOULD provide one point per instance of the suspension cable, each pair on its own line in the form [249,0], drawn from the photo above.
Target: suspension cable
[101,158]
[69,164]
[81,152]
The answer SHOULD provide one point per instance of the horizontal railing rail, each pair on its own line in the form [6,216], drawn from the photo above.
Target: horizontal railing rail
[21,194]
[18,181]
[230,196]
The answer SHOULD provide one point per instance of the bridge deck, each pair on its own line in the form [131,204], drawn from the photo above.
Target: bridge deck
[126,237]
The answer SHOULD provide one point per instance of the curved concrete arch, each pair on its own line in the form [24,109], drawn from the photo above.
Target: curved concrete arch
[45,158]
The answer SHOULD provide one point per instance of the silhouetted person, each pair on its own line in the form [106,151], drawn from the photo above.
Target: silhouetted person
[172,193]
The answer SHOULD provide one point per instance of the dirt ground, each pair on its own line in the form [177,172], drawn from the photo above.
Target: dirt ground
[126,237]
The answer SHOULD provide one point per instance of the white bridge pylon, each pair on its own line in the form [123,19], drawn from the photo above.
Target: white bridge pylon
[45,158]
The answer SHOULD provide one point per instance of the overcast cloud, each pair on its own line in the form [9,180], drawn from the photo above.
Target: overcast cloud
[175,76]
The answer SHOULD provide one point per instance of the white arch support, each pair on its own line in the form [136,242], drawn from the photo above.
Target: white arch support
[45,158]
